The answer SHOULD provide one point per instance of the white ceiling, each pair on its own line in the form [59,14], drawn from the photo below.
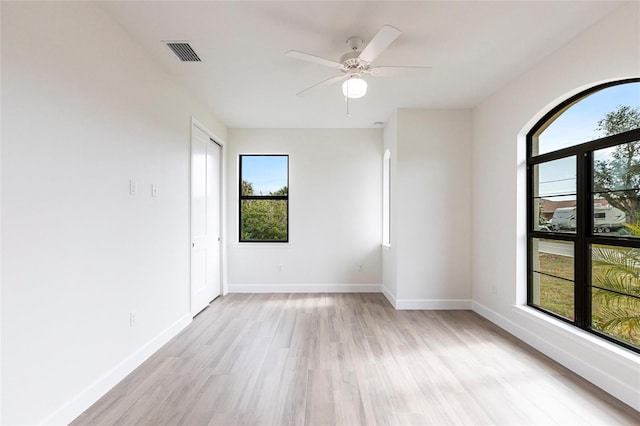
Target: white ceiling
[474,47]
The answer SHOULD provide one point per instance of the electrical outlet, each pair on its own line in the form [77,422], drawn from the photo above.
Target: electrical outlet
[133,187]
[133,319]
[154,190]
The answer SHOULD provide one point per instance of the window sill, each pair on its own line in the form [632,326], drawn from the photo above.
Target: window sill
[263,245]
[579,336]
[386,246]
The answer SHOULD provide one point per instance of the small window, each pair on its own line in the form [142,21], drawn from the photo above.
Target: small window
[264,198]
[386,199]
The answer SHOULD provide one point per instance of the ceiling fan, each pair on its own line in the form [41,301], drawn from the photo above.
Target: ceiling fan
[357,62]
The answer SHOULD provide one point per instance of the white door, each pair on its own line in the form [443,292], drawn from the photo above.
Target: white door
[205,220]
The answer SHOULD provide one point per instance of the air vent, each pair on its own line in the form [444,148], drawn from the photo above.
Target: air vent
[183,51]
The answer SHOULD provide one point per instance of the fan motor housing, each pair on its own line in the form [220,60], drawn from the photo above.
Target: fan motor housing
[354,43]
[350,61]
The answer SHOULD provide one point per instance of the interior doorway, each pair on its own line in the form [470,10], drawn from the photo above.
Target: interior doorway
[206,180]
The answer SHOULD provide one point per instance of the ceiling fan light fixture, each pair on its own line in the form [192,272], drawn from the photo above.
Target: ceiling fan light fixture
[354,87]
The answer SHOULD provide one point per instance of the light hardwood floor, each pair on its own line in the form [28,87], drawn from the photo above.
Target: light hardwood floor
[348,359]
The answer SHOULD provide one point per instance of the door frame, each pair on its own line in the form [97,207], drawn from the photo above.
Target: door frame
[224,288]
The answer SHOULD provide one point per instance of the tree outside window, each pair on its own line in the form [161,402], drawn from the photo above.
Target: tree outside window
[264,198]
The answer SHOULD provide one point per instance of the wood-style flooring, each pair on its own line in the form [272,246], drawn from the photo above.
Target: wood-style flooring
[348,359]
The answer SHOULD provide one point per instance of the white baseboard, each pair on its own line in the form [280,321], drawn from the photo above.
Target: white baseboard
[304,288]
[77,405]
[399,304]
[581,348]
[432,304]
[390,297]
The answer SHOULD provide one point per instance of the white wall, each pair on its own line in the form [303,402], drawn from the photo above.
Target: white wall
[85,110]
[335,198]
[431,208]
[608,50]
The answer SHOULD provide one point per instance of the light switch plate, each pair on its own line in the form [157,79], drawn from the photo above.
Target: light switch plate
[133,187]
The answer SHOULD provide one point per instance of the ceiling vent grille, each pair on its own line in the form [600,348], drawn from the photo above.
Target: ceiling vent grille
[183,51]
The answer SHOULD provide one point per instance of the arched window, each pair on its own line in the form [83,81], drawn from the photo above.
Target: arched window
[583,191]
[386,198]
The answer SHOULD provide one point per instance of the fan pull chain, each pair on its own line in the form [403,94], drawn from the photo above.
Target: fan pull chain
[347,101]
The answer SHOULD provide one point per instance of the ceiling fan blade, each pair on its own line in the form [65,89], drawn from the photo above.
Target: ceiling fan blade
[383,38]
[311,58]
[394,71]
[324,83]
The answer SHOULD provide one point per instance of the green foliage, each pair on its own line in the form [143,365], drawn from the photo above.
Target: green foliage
[612,313]
[625,321]
[282,191]
[621,120]
[263,219]
[541,219]
[622,170]
[247,188]
[617,269]
[633,229]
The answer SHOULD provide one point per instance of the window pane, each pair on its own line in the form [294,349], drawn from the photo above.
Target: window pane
[616,268]
[606,112]
[553,294]
[616,315]
[615,296]
[611,220]
[553,276]
[554,201]
[617,168]
[616,186]
[546,208]
[263,220]
[555,178]
[264,174]
[553,257]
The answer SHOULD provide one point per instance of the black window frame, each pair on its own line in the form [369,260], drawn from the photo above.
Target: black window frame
[584,236]
[242,198]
